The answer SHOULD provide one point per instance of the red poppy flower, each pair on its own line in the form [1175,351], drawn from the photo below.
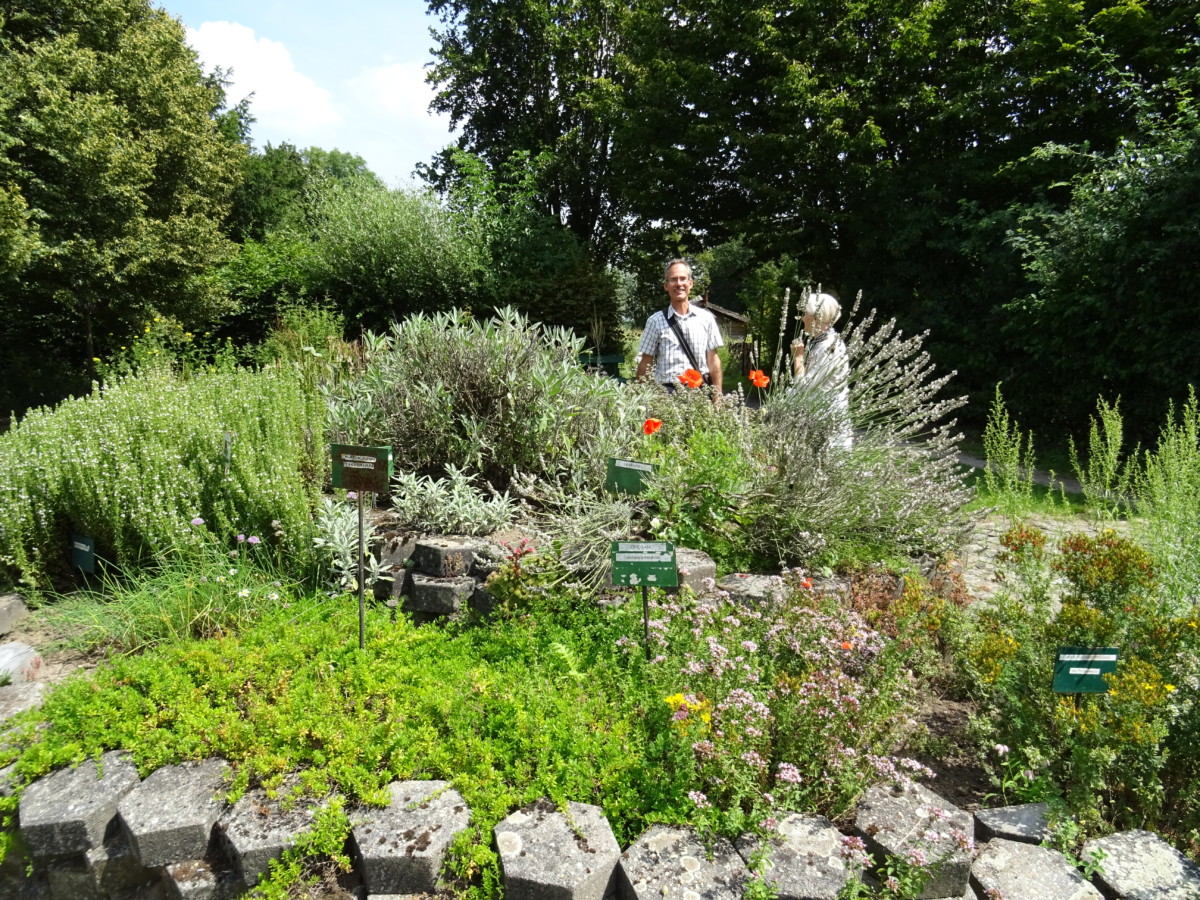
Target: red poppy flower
[846,645]
[806,583]
[691,379]
[652,425]
[758,378]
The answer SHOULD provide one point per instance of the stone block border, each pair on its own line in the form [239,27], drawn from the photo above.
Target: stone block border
[96,832]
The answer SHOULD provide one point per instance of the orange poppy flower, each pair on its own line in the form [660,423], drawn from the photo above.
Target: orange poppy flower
[759,379]
[691,379]
[652,425]
[846,645]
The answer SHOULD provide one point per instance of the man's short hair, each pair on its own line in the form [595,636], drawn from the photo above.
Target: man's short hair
[824,308]
[676,262]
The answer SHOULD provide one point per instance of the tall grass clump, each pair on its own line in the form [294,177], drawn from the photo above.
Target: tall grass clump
[134,463]
[1008,475]
[1167,490]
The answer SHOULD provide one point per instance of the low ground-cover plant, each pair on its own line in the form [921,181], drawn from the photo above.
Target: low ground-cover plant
[133,463]
[743,712]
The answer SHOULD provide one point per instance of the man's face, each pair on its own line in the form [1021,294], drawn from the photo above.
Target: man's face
[678,284]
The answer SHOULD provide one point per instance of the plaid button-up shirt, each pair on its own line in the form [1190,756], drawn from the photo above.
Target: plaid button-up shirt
[670,359]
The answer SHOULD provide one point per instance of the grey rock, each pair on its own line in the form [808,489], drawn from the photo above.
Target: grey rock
[71,879]
[440,596]
[548,855]
[170,816]
[1142,866]
[397,550]
[803,862]
[752,589]
[443,557]
[8,780]
[19,661]
[895,821]
[259,828]
[12,610]
[192,879]
[400,849]
[483,601]
[673,864]
[16,698]
[156,890]
[696,569]
[116,868]
[1023,871]
[68,811]
[1025,822]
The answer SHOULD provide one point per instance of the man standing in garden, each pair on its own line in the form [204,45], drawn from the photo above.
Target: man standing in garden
[680,337]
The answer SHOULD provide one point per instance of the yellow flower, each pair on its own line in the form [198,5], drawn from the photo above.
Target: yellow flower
[95,359]
[1170,688]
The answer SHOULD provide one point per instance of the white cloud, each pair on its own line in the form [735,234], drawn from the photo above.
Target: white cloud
[287,105]
[381,113]
[392,104]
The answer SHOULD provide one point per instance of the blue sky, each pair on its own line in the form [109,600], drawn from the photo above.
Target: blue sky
[346,76]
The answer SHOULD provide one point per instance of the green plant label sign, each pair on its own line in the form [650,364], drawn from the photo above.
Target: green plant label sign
[83,553]
[361,468]
[642,563]
[1081,670]
[625,476]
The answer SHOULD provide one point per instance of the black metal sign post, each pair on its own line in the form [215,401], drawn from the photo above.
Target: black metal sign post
[361,469]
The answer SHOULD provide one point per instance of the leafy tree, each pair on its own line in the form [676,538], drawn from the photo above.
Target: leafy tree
[277,182]
[1113,305]
[114,179]
[537,77]
[383,254]
[538,266]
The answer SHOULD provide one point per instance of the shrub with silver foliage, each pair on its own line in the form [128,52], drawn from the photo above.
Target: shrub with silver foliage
[451,505]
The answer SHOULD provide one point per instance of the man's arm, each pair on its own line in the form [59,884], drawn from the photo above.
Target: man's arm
[644,365]
[714,369]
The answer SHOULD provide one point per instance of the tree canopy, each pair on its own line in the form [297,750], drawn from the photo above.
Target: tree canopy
[114,181]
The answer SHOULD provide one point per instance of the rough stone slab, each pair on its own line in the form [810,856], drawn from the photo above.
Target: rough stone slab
[192,879]
[752,589]
[1026,823]
[12,610]
[68,811]
[483,601]
[1142,866]
[695,568]
[1022,871]
[397,550]
[803,862]
[896,820]
[546,855]
[440,596]
[155,891]
[16,698]
[258,829]
[443,557]
[71,879]
[19,661]
[400,849]
[673,864]
[116,868]
[170,816]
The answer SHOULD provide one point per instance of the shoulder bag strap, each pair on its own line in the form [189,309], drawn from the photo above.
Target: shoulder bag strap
[687,347]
